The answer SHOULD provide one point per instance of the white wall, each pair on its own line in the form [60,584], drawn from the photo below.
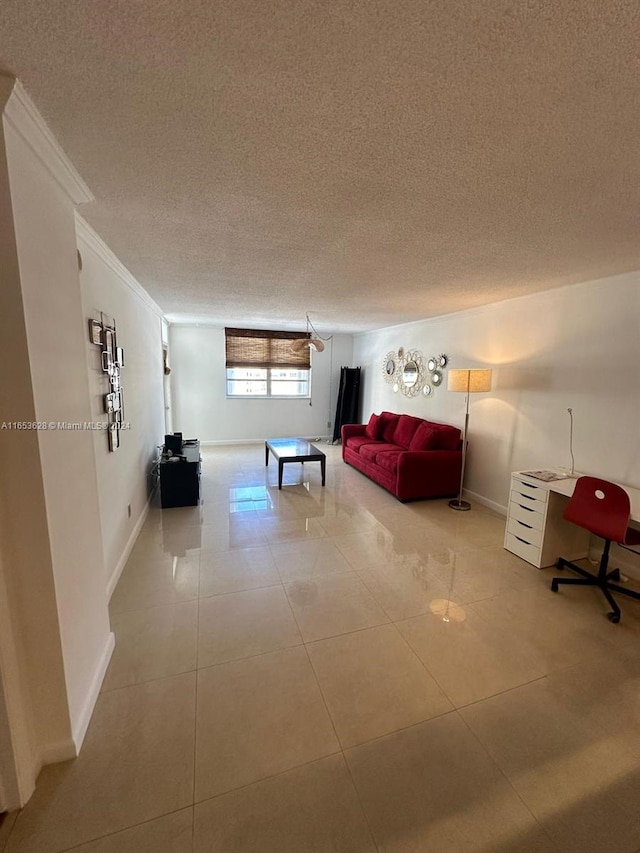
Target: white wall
[55,640]
[123,476]
[44,224]
[575,347]
[202,410]
[31,661]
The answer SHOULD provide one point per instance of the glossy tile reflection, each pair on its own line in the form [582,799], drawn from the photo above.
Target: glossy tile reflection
[321,669]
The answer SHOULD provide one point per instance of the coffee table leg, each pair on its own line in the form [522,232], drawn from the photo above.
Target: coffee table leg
[280,467]
[323,468]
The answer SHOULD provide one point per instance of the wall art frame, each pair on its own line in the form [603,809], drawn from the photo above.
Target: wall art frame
[103,333]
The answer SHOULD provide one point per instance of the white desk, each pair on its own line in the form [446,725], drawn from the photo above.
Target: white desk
[536,530]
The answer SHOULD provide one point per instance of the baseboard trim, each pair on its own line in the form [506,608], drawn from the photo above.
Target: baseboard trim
[63,750]
[496,507]
[131,541]
[312,438]
[619,558]
[82,724]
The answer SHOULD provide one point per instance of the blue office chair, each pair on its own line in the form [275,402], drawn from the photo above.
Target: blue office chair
[604,509]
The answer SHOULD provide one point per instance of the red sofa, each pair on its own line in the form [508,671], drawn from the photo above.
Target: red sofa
[410,457]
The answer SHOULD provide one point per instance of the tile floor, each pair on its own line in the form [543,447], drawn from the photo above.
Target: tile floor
[330,670]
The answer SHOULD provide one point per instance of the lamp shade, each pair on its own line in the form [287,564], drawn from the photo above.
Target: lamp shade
[299,344]
[313,343]
[469,381]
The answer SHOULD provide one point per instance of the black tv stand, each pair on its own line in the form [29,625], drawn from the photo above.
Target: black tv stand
[180,477]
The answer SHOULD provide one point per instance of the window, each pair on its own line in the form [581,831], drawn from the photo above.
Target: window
[267,382]
[266,364]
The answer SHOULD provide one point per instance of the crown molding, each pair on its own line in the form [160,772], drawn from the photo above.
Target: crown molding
[22,115]
[93,241]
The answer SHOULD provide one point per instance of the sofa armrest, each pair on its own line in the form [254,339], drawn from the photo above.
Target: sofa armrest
[348,431]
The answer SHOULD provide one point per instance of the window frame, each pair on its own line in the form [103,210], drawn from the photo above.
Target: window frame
[268,351]
[269,381]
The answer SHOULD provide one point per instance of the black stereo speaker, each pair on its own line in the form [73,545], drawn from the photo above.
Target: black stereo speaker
[173,442]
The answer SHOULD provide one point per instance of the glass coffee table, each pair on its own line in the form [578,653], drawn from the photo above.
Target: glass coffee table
[293,450]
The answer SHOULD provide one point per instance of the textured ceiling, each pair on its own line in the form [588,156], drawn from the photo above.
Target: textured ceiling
[370,162]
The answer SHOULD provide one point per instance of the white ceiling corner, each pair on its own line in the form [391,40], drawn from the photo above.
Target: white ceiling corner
[22,115]
[87,236]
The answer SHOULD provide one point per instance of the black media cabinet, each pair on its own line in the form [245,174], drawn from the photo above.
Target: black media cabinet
[180,477]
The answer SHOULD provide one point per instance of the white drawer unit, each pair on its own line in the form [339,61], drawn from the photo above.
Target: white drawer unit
[525,532]
[536,530]
[533,516]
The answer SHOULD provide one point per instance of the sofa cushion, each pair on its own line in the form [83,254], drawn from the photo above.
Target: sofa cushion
[424,438]
[373,427]
[405,430]
[389,460]
[387,425]
[356,442]
[379,448]
[447,437]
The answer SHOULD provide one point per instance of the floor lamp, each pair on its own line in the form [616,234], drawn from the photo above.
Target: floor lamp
[468,382]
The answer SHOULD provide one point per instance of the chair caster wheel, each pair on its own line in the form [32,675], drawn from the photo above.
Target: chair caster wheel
[615,575]
[554,586]
[613,617]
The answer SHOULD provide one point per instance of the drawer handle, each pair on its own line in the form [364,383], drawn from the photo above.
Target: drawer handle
[529,485]
[528,508]
[529,497]
[522,540]
[528,526]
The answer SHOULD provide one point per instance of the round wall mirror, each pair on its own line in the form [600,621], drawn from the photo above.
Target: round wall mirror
[410,374]
[404,370]
[436,378]
[390,367]
[427,390]
[437,361]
